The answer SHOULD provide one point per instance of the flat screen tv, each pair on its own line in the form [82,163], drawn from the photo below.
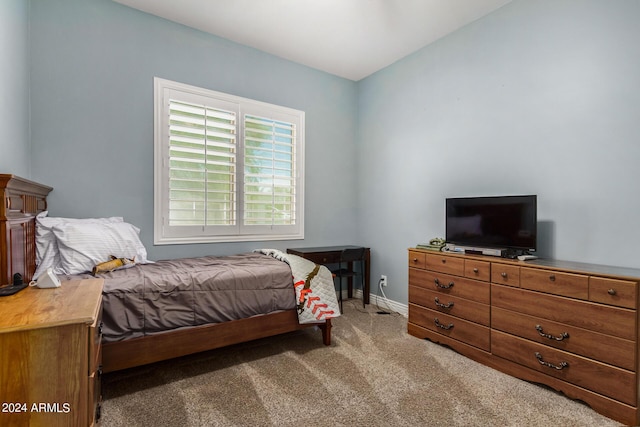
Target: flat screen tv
[506,222]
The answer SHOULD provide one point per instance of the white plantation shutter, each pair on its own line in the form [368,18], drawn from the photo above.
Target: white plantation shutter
[202,164]
[269,172]
[226,168]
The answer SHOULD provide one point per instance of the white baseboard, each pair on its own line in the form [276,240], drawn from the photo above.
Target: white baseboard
[379,301]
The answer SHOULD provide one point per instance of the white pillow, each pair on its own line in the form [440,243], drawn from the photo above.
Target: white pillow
[82,245]
[47,254]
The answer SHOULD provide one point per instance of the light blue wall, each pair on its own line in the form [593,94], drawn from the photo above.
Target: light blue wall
[92,115]
[14,88]
[540,97]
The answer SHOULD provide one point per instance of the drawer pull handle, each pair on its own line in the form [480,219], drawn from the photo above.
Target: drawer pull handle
[562,336]
[444,261]
[415,260]
[475,270]
[504,275]
[611,291]
[441,305]
[441,326]
[559,367]
[552,278]
[439,285]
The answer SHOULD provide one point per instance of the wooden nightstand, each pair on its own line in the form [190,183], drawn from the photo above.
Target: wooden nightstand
[50,355]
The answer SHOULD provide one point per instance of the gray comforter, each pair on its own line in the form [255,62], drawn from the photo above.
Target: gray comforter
[166,295]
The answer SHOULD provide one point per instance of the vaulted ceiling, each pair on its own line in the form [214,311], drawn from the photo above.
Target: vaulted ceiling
[348,38]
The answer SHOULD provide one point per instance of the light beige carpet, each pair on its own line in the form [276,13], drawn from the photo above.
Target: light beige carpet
[373,374]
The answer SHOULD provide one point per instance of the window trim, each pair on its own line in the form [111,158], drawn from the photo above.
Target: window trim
[244,233]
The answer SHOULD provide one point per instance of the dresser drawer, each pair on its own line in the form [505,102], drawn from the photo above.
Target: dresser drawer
[601,378]
[605,319]
[622,293]
[417,259]
[605,348]
[451,285]
[479,270]
[445,264]
[453,327]
[449,304]
[567,284]
[505,274]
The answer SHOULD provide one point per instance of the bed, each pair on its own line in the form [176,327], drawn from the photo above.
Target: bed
[154,311]
[171,308]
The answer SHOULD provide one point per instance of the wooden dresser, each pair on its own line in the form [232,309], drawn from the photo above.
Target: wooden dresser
[50,355]
[20,201]
[571,326]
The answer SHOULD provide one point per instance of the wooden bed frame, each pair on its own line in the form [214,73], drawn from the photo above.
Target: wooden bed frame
[168,345]
[22,200]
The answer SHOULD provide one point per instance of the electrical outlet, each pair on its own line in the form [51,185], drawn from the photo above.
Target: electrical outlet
[383,280]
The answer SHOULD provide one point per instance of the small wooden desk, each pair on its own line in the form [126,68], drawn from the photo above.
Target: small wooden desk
[331,255]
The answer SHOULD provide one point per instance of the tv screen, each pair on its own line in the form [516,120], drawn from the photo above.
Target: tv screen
[508,222]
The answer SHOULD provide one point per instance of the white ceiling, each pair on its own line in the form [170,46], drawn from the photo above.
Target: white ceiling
[348,38]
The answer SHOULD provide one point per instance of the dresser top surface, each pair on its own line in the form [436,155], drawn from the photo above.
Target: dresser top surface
[574,266]
[75,301]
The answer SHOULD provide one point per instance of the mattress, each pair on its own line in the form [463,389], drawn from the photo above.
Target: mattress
[166,295]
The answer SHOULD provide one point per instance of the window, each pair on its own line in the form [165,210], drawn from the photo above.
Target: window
[227,168]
